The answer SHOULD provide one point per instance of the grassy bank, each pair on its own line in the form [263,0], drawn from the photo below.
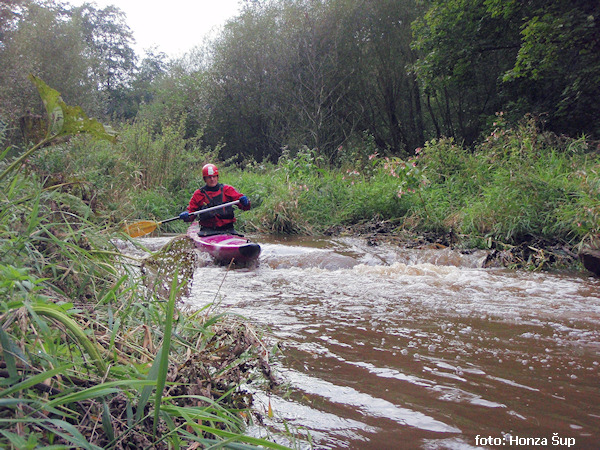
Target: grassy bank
[95,350]
[519,186]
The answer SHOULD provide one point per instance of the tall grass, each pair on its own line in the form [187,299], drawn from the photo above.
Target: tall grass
[91,354]
[518,185]
[306,198]
[88,353]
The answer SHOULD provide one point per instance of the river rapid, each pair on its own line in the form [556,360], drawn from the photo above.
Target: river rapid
[387,348]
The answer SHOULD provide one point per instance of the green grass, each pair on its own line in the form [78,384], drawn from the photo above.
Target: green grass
[518,184]
[88,341]
[495,193]
[79,333]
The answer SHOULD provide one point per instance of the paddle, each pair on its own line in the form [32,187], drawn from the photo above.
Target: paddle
[144,227]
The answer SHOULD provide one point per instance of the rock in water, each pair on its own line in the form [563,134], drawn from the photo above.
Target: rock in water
[591,260]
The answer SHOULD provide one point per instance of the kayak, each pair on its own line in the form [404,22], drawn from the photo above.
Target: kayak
[225,247]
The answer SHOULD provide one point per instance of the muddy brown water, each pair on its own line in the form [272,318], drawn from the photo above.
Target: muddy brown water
[388,348]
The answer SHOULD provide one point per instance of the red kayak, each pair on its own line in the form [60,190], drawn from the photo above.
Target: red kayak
[225,247]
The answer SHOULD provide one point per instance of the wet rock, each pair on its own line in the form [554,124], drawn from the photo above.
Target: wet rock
[590,259]
[526,252]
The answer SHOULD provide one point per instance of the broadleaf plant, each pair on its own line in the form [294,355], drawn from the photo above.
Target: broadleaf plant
[63,120]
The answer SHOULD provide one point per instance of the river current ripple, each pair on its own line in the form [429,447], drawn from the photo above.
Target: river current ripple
[392,348]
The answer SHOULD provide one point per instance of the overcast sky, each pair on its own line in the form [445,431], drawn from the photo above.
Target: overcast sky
[174,26]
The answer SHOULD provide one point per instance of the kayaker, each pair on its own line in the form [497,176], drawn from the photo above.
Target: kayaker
[211,194]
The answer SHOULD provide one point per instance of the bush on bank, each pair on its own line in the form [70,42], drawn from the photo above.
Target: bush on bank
[93,351]
[520,184]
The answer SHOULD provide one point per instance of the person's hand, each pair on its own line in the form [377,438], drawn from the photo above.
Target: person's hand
[244,200]
[185,216]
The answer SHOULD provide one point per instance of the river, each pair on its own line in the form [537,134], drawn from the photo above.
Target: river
[387,348]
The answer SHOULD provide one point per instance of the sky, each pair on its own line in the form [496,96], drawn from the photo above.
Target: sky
[174,26]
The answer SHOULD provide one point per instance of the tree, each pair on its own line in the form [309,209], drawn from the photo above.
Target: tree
[480,57]
[298,74]
[463,52]
[43,42]
[9,13]
[558,63]
[385,90]
[84,52]
[249,96]
[176,94]
[108,48]
[141,88]
[320,79]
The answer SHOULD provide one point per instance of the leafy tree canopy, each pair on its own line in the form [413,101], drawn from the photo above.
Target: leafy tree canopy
[547,53]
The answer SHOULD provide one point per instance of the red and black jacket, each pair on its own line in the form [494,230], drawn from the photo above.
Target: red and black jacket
[206,197]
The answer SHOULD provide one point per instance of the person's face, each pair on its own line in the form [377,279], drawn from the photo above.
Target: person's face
[211,180]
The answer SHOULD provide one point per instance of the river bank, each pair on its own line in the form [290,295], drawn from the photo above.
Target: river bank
[64,205]
[536,253]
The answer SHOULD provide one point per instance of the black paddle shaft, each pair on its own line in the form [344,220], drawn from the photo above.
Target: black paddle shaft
[202,211]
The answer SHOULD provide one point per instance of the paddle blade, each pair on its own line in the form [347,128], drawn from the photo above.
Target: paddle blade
[140,228]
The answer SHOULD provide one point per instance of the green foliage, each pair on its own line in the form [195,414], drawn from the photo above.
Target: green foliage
[519,184]
[83,52]
[519,57]
[305,163]
[42,41]
[580,216]
[297,197]
[444,159]
[318,73]
[359,156]
[79,327]
[288,74]
[62,120]
[165,157]
[111,58]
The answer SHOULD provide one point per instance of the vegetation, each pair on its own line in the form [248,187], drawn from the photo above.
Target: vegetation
[288,74]
[473,122]
[520,186]
[95,353]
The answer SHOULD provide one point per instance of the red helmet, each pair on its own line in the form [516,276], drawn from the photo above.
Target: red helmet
[210,170]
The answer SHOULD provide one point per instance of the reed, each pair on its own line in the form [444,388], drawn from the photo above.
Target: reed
[88,353]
